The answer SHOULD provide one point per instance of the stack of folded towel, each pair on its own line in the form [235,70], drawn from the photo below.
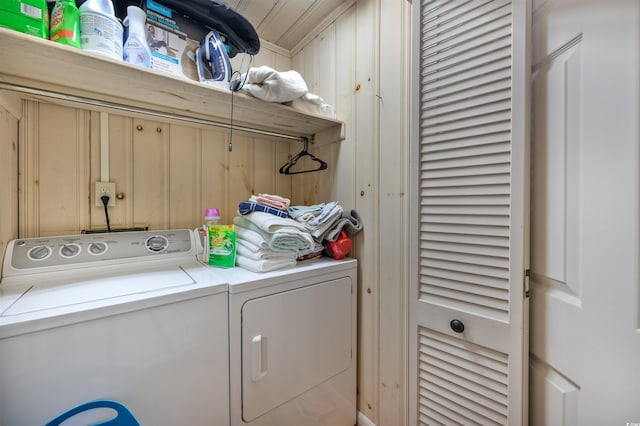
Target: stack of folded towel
[325,221]
[266,242]
[271,234]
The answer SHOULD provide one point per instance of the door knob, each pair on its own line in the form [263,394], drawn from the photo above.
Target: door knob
[457,326]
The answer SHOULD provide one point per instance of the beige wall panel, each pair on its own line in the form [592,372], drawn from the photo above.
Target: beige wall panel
[215,172]
[282,182]
[340,66]
[8,177]
[11,102]
[120,169]
[265,171]
[55,170]
[316,63]
[241,172]
[344,103]
[269,55]
[150,177]
[28,206]
[365,120]
[393,176]
[184,178]
[324,84]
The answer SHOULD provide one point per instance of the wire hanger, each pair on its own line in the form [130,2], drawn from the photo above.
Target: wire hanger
[285,169]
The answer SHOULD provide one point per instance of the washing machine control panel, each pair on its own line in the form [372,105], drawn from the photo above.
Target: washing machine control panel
[30,253]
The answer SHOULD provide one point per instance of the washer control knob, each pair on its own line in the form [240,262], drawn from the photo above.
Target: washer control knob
[69,250]
[39,252]
[97,248]
[157,243]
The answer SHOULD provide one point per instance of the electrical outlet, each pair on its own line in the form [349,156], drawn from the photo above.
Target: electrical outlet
[108,189]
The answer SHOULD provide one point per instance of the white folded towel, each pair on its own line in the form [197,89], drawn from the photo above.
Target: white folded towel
[272,223]
[305,213]
[245,250]
[263,265]
[253,237]
[281,237]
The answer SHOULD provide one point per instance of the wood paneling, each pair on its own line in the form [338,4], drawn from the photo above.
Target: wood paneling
[168,178]
[9,177]
[166,174]
[54,166]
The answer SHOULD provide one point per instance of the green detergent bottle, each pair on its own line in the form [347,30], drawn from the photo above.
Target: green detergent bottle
[64,25]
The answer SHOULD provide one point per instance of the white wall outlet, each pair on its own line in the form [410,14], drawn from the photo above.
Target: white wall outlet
[108,189]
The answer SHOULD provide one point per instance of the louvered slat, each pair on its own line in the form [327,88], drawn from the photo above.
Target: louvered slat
[465,153]
[460,383]
[464,212]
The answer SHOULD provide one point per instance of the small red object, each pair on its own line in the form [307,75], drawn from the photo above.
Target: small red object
[339,248]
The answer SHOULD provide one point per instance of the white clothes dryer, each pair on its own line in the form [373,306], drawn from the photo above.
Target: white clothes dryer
[293,345]
[132,317]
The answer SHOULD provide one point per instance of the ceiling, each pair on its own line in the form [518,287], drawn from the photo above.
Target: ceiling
[288,22]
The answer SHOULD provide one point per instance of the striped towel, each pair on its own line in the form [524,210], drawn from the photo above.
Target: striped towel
[274,201]
[246,207]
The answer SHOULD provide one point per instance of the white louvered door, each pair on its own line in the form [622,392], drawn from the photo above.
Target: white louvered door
[469,213]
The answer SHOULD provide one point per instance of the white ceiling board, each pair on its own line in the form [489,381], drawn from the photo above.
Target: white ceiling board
[286,22]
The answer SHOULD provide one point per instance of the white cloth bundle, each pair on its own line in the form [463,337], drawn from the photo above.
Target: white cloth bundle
[320,221]
[274,86]
[313,104]
[351,222]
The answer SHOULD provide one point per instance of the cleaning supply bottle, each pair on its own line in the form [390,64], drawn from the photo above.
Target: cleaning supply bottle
[136,49]
[64,24]
[100,31]
[211,217]
[220,241]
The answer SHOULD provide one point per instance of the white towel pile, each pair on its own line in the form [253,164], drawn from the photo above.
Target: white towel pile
[266,242]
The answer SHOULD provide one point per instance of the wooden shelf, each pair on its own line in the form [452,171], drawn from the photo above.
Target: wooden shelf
[34,63]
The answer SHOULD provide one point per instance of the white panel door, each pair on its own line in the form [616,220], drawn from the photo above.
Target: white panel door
[468,306]
[293,341]
[585,320]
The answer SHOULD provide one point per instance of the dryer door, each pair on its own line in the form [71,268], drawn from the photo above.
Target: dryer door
[293,341]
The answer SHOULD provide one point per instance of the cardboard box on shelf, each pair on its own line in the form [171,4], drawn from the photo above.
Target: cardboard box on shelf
[26,16]
[173,39]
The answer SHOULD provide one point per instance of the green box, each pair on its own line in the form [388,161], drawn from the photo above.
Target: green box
[26,16]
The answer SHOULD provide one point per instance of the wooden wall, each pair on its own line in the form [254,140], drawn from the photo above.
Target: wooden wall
[10,112]
[360,64]
[168,172]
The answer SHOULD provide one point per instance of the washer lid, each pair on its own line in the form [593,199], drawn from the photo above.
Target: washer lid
[107,288]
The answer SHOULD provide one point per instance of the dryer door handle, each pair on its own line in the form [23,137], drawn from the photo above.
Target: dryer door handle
[259,361]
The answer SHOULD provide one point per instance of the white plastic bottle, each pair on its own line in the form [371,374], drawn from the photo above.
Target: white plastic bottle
[211,217]
[136,49]
[100,31]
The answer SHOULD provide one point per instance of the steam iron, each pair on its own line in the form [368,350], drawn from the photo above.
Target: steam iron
[212,61]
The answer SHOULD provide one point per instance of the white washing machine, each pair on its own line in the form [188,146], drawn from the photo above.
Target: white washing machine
[293,345]
[131,317]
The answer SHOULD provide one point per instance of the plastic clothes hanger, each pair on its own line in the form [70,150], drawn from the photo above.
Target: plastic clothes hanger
[286,169]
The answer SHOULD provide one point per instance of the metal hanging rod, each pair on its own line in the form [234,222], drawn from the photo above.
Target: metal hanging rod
[145,111]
